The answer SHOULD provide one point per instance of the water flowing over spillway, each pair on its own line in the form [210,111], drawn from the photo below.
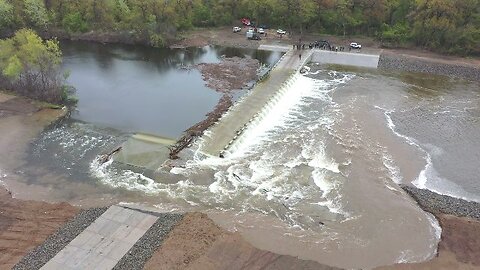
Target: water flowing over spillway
[284,169]
[315,176]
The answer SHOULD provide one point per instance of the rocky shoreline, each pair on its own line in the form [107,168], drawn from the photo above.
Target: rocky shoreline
[398,62]
[442,204]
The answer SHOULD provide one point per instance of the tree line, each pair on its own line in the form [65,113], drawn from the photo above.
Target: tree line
[441,25]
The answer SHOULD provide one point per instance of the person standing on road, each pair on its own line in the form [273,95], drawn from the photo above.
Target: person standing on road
[300,56]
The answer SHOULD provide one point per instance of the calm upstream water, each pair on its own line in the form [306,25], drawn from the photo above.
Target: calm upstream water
[317,178]
[143,89]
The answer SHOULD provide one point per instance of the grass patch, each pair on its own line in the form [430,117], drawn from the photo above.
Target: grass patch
[46,105]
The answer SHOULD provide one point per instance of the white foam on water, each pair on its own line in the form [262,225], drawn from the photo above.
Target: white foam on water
[294,162]
[127,179]
[428,178]
[263,180]
[322,166]
[242,183]
[177,170]
[421,180]
[3,175]
[407,256]
[436,231]
[393,170]
[276,115]
[284,109]
[320,161]
[332,201]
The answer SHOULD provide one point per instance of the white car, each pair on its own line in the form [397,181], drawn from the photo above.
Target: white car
[355,45]
[236,29]
[281,32]
[261,31]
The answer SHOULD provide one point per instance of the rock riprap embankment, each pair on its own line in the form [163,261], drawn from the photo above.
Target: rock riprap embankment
[437,203]
[414,64]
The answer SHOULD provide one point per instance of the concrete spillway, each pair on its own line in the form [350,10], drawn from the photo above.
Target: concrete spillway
[346,58]
[224,133]
[224,137]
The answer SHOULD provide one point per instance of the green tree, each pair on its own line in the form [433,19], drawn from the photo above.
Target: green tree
[74,23]
[448,26]
[202,15]
[443,25]
[31,66]
[6,14]
[36,13]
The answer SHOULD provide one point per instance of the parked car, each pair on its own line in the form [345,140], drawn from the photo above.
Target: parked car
[261,31]
[237,29]
[281,32]
[355,45]
[264,26]
[245,21]
[252,35]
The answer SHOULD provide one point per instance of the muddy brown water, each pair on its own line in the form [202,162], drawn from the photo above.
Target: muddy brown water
[317,178]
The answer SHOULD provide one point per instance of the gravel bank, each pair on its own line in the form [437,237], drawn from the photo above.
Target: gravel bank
[412,64]
[442,204]
[46,251]
[143,250]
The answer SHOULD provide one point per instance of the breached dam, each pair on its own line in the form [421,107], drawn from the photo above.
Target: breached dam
[221,138]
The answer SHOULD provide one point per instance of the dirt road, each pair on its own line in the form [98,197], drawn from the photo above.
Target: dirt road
[224,36]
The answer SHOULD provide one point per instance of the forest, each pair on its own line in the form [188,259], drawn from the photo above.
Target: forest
[445,26]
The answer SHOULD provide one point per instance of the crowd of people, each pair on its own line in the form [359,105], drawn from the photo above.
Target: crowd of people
[323,45]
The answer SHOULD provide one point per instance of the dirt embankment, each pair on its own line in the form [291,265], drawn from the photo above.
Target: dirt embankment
[26,224]
[226,77]
[229,75]
[197,243]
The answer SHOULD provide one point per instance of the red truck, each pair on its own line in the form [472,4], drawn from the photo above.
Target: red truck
[245,21]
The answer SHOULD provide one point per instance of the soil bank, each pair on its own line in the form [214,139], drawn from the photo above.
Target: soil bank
[26,224]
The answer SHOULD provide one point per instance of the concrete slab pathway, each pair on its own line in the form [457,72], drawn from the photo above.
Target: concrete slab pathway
[275,47]
[104,242]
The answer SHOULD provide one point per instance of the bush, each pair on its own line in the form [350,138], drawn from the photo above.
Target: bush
[74,23]
[156,40]
[398,34]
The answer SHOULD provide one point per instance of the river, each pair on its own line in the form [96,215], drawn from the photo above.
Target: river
[318,178]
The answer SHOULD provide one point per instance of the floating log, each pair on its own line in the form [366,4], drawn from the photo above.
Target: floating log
[107,157]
